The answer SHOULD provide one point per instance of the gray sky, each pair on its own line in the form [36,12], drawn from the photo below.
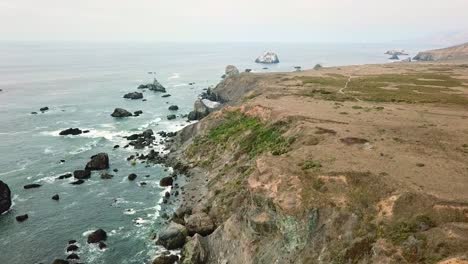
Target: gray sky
[221,20]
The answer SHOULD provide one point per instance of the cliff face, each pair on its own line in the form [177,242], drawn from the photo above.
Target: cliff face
[459,52]
[296,169]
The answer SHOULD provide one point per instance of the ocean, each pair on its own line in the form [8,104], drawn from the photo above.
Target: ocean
[82,83]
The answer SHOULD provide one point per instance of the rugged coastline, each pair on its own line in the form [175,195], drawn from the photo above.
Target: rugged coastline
[319,167]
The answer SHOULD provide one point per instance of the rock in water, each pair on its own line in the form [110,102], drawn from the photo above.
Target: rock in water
[98,162]
[155,86]
[268,58]
[97,236]
[71,131]
[82,174]
[43,109]
[171,117]
[231,70]
[56,197]
[133,96]
[72,248]
[5,197]
[173,108]
[166,259]
[120,112]
[132,177]
[424,56]
[22,218]
[32,186]
[172,237]
[394,57]
[166,181]
[396,52]
[78,182]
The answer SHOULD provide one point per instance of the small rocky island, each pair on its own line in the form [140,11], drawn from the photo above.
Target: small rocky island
[268,58]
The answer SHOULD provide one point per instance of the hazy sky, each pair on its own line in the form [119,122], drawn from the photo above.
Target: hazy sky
[221,20]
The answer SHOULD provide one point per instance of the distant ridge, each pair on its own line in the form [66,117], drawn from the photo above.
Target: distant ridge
[458,52]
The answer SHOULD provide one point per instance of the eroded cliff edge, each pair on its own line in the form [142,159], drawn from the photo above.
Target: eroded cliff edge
[361,164]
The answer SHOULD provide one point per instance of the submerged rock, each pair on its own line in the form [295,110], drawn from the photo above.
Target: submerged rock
[120,112]
[172,237]
[5,197]
[133,96]
[78,182]
[268,58]
[71,131]
[97,236]
[64,176]
[106,176]
[98,162]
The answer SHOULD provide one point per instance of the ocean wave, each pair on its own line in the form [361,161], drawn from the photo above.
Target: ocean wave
[84,148]
[179,85]
[24,165]
[174,76]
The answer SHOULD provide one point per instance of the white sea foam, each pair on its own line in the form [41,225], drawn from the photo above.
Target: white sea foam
[130,211]
[84,148]
[179,85]
[174,76]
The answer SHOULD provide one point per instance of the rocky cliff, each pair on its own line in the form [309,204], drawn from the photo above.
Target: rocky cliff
[459,52]
[297,169]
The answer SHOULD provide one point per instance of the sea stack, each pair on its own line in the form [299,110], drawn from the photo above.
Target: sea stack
[268,58]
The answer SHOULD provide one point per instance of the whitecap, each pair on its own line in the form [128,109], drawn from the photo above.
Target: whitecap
[84,148]
[130,211]
[174,76]
[179,85]
[48,150]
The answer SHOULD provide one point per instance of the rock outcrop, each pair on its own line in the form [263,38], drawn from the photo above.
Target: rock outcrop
[133,96]
[97,236]
[5,197]
[268,58]
[71,131]
[394,57]
[231,70]
[98,162]
[396,52]
[155,86]
[120,112]
[459,52]
[203,107]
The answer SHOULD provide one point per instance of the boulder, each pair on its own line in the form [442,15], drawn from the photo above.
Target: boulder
[173,108]
[172,237]
[171,117]
[166,181]
[5,197]
[132,177]
[71,131]
[199,223]
[268,58]
[73,256]
[98,162]
[120,112]
[22,218]
[32,186]
[97,236]
[202,107]
[82,174]
[155,86]
[194,252]
[133,96]
[56,197]
[43,109]
[72,248]
[231,70]
[166,259]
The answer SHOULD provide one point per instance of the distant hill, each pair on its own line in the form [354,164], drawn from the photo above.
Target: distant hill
[459,52]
